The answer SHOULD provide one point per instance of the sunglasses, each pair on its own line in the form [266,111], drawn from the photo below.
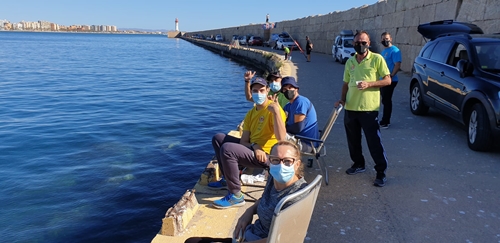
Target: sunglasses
[363,43]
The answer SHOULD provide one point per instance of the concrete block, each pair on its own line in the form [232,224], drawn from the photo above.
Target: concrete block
[430,2]
[489,26]
[446,10]
[177,217]
[350,14]
[368,24]
[411,17]
[428,14]
[368,11]
[379,24]
[393,20]
[386,7]
[472,10]
[492,10]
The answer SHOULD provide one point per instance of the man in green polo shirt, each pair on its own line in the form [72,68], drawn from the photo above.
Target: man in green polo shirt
[364,74]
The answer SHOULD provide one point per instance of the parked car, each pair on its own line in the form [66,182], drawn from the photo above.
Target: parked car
[272,40]
[235,37]
[288,42]
[255,41]
[458,73]
[343,47]
[243,40]
[219,38]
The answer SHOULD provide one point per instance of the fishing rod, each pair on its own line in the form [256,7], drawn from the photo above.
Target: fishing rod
[296,43]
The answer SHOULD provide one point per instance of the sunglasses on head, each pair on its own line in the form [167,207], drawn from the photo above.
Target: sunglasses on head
[363,43]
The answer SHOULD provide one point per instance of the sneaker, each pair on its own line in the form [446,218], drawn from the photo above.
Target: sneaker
[218,185]
[230,200]
[355,170]
[384,125]
[380,181]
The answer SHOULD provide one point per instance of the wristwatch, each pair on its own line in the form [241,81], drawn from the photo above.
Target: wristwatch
[251,146]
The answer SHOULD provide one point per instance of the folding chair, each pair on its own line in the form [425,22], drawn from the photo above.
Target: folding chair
[290,225]
[320,150]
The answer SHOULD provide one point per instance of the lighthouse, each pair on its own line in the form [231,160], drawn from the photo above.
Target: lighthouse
[176,24]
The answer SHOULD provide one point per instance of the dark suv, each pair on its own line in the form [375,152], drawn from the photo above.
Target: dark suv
[458,73]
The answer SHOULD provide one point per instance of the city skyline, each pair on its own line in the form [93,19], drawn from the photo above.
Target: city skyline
[42,25]
[161,15]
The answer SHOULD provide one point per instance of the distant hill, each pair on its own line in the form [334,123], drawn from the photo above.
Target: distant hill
[144,30]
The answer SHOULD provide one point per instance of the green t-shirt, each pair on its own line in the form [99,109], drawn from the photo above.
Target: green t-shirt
[286,49]
[371,69]
[282,100]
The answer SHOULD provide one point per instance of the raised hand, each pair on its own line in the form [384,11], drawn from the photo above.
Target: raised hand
[249,75]
[274,106]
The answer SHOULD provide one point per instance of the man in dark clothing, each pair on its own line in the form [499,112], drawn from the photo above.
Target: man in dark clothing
[309,47]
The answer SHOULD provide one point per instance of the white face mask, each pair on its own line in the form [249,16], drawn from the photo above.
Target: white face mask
[275,86]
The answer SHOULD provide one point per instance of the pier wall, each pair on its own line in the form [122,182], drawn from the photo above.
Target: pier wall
[398,17]
[263,60]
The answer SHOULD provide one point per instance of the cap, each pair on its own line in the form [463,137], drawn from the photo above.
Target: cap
[261,81]
[289,80]
[273,75]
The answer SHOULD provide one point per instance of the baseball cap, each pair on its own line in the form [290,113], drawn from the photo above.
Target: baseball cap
[273,75]
[261,81]
[289,80]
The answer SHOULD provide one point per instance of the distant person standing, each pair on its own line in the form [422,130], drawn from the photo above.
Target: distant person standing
[287,51]
[361,99]
[309,47]
[392,57]
[267,18]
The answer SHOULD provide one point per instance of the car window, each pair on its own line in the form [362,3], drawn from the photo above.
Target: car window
[428,50]
[459,52]
[348,43]
[287,40]
[441,51]
[489,56]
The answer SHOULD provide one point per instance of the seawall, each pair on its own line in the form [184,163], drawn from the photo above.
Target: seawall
[398,17]
[262,60]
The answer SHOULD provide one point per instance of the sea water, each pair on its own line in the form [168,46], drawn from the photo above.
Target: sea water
[100,134]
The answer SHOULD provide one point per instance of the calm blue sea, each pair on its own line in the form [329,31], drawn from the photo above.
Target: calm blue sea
[100,134]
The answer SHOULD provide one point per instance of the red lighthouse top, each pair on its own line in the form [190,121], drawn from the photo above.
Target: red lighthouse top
[176,20]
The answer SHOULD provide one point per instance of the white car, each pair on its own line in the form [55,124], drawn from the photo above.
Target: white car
[243,40]
[343,47]
[219,38]
[288,42]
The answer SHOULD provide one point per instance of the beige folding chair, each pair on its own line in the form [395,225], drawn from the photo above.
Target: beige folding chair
[320,150]
[290,224]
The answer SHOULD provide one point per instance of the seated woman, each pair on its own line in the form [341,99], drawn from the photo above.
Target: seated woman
[286,177]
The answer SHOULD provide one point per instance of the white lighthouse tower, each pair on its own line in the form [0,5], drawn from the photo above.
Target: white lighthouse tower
[176,24]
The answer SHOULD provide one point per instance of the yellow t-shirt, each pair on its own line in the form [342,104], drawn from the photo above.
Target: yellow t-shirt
[261,127]
[371,69]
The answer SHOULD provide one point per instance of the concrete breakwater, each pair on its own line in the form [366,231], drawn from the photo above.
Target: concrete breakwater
[263,60]
[399,17]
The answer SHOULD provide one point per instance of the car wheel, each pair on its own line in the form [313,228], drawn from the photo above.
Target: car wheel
[478,129]
[417,105]
[344,60]
[335,56]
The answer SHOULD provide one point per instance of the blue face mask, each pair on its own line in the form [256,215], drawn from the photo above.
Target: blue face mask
[282,173]
[259,98]
[275,86]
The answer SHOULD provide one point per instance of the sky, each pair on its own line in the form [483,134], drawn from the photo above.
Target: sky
[193,15]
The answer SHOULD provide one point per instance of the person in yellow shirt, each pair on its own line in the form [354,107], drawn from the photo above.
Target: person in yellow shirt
[365,73]
[264,126]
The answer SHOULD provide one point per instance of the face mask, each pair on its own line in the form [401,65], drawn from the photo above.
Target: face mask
[289,94]
[386,43]
[259,98]
[282,173]
[275,86]
[360,49]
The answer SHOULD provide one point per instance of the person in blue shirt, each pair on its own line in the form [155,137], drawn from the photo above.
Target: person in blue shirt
[301,115]
[392,57]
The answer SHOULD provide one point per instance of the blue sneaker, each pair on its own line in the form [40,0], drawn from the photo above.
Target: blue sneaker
[218,185]
[230,200]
